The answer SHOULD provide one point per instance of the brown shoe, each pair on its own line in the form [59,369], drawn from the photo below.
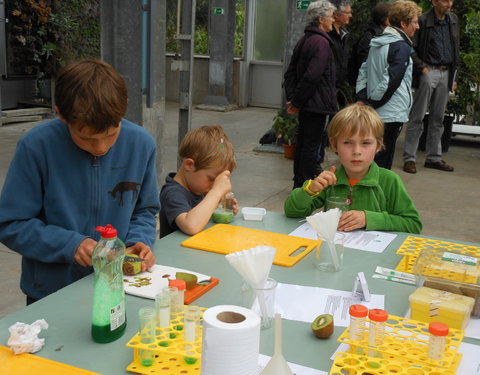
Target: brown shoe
[409,167]
[440,165]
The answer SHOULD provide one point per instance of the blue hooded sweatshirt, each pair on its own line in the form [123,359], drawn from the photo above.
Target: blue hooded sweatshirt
[55,194]
[385,79]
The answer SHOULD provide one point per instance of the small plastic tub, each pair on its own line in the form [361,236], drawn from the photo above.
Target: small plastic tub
[253,213]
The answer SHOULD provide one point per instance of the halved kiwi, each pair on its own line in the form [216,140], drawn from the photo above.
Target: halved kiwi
[323,326]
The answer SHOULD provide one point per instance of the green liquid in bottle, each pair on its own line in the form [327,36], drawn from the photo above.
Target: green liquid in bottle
[102,334]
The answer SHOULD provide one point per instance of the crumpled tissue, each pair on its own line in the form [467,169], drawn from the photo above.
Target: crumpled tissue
[24,337]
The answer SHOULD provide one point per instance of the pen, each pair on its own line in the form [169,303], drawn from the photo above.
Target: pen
[388,272]
[391,278]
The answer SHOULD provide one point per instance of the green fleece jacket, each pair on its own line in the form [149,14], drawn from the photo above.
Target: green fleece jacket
[381,194]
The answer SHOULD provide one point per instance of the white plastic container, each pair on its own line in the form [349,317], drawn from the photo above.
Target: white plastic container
[253,213]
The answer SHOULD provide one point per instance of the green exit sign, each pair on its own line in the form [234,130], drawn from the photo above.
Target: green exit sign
[303,4]
[218,11]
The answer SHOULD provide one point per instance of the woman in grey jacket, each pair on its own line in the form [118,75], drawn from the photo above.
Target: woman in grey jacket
[384,80]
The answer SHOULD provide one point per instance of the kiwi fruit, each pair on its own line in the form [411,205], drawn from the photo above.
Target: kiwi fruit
[132,268]
[323,326]
[189,278]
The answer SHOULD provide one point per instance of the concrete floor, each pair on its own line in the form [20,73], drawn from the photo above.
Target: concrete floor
[448,202]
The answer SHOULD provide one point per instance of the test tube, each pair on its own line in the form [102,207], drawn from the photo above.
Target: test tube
[146,316]
[181,285]
[191,319]
[437,340]
[174,304]
[228,201]
[162,305]
[358,317]
[376,331]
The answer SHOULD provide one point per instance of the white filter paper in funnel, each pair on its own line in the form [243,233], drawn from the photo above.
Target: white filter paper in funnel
[254,266]
[326,224]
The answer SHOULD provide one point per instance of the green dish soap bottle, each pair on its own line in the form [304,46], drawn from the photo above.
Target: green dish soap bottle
[108,312]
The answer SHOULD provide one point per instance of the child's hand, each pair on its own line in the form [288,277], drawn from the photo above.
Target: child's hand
[351,220]
[83,254]
[235,207]
[323,180]
[222,183]
[144,252]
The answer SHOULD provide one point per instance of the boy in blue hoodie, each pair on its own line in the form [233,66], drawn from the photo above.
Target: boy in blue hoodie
[87,167]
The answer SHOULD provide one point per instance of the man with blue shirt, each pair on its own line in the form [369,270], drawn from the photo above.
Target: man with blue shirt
[435,66]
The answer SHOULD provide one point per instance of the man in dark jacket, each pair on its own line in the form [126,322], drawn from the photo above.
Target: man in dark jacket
[341,48]
[310,88]
[435,67]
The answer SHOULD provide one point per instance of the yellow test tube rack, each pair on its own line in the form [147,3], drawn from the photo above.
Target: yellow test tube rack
[173,355]
[355,364]
[405,346]
[413,246]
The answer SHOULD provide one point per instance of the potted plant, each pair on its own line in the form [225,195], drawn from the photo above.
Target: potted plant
[285,126]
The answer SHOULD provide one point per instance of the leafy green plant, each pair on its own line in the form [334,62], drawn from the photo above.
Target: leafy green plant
[285,126]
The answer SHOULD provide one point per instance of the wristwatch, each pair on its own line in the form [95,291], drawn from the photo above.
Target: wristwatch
[306,188]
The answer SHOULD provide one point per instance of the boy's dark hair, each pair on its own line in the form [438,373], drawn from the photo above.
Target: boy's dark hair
[91,93]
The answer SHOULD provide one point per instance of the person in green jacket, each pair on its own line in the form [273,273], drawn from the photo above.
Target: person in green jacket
[376,197]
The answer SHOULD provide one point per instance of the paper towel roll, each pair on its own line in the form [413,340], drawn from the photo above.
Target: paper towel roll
[231,341]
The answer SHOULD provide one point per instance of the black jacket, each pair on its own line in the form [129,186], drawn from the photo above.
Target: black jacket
[341,52]
[310,78]
[422,40]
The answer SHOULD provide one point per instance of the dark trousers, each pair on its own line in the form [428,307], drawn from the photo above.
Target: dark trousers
[309,138]
[384,158]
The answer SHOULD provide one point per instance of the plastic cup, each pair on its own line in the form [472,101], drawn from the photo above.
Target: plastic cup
[328,256]
[336,202]
[261,300]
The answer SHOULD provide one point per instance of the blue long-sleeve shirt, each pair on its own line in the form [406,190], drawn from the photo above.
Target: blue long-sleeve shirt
[55,194]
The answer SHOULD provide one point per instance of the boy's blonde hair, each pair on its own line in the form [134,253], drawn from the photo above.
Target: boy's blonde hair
[354,119]
[208,147]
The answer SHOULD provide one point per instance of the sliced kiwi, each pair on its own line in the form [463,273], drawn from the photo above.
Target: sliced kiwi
[190,279]
[132,268]
[323,326]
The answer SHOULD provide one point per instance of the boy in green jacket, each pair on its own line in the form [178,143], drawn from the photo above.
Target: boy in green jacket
[377,197]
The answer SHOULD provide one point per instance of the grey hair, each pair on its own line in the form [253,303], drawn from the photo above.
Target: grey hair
[341,4]
[317,9]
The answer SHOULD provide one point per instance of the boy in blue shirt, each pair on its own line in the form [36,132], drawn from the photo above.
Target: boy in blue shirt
[87,167]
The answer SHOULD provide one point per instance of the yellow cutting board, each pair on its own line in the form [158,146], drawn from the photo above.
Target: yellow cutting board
[28,364]
[226,239]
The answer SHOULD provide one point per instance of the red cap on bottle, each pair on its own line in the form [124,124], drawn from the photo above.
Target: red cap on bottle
[107,231]
[378,315]
[178,283]
[358,311]
[438,329]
